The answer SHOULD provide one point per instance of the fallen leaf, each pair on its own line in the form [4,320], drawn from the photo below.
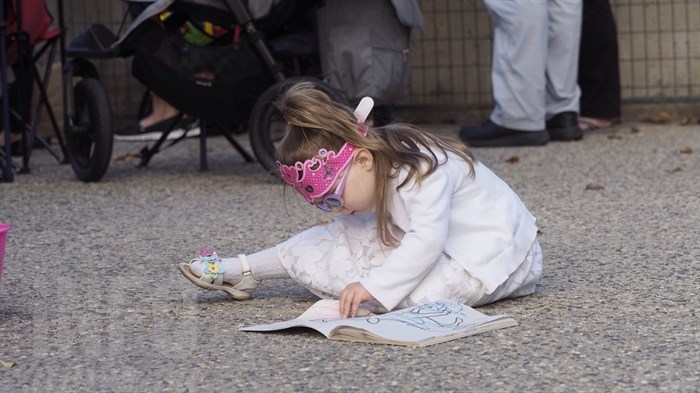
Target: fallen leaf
[594,187]
[5,364]
[127,157]
[674,170]
[686,150]
[614,136]
[513,160]
[658,118]
[687,120]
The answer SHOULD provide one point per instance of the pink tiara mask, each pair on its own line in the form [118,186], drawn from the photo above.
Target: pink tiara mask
[314,177]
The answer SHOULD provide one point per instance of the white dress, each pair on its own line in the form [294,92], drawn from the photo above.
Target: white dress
[325,259]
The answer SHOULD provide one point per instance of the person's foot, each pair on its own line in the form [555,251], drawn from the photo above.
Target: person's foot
[564,127]
[491,134]
[593,123]
[135,133]
[210,272]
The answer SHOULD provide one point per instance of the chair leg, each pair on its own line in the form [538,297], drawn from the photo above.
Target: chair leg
[6,163]
[31,122]
[44,100]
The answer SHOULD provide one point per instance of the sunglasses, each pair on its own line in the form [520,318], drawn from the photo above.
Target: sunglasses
[335,200]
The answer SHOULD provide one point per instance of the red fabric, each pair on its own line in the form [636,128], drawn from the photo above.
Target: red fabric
[36,21]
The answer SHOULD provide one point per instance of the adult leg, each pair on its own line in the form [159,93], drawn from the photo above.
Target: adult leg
[517,77]
[563,94]
[518,69]
[598,67]
[161,110]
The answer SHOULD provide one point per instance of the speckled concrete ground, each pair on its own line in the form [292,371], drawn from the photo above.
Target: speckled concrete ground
[91,299]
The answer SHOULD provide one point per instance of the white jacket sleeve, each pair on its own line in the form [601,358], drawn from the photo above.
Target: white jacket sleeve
[428,207]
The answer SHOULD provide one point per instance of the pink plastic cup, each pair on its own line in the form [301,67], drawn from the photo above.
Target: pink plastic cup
[4,228]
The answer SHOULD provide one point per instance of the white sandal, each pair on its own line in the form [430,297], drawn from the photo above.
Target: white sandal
[212,277]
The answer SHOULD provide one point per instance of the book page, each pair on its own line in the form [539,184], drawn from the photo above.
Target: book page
[329,309]
[425,322]
[416,326]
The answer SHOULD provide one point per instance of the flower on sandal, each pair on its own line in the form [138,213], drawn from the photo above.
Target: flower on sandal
[211,264]
[206,252]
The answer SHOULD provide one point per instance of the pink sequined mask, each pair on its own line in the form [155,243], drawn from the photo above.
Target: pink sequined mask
[315,177]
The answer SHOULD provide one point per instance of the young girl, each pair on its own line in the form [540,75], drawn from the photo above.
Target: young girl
[421,219]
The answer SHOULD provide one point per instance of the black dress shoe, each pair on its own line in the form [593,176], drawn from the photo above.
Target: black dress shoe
[491,134]
[564,127]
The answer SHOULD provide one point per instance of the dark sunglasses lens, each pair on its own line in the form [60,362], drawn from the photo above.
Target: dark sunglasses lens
[324,207]
[333,202]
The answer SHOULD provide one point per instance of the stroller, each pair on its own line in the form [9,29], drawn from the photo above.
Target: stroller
[227,75]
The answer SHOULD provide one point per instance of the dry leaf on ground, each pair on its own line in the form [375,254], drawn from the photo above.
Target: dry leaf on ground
[686,150]
[5,364]
[513,160]
[686,121]
[127,157]
[674,170]
[594,187]
[658,118]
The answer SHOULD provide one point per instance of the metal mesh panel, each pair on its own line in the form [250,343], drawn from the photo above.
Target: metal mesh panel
[451,56]
[659,49]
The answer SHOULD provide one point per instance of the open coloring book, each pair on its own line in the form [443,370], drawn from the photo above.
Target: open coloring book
[417,326]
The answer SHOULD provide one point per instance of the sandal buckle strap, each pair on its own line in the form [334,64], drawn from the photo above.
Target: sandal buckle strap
[247,283]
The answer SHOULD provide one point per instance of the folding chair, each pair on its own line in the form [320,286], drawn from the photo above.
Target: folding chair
[27,41]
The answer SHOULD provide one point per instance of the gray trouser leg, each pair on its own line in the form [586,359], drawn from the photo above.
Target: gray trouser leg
[563,93]
[535,57]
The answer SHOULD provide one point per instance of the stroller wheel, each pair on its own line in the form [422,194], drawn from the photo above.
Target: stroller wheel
[89,139]
[267,126]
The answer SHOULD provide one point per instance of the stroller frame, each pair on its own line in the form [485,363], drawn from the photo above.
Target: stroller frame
[261,118]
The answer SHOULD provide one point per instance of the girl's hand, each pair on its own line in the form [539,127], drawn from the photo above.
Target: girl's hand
[351,297]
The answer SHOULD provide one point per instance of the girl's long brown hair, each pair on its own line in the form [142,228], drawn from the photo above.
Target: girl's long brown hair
[315,122]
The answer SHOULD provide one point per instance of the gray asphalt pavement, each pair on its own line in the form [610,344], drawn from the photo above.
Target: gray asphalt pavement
[91,299]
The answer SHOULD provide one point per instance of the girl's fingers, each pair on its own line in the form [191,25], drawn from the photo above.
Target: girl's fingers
[355,306]
[344,304]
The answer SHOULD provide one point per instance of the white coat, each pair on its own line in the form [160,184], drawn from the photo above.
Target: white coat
[479,222]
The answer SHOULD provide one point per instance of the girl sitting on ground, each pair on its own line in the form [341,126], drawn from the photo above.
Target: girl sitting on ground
[420,219]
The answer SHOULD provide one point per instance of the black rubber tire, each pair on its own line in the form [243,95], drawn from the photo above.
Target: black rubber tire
[266,125]
[90,139]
